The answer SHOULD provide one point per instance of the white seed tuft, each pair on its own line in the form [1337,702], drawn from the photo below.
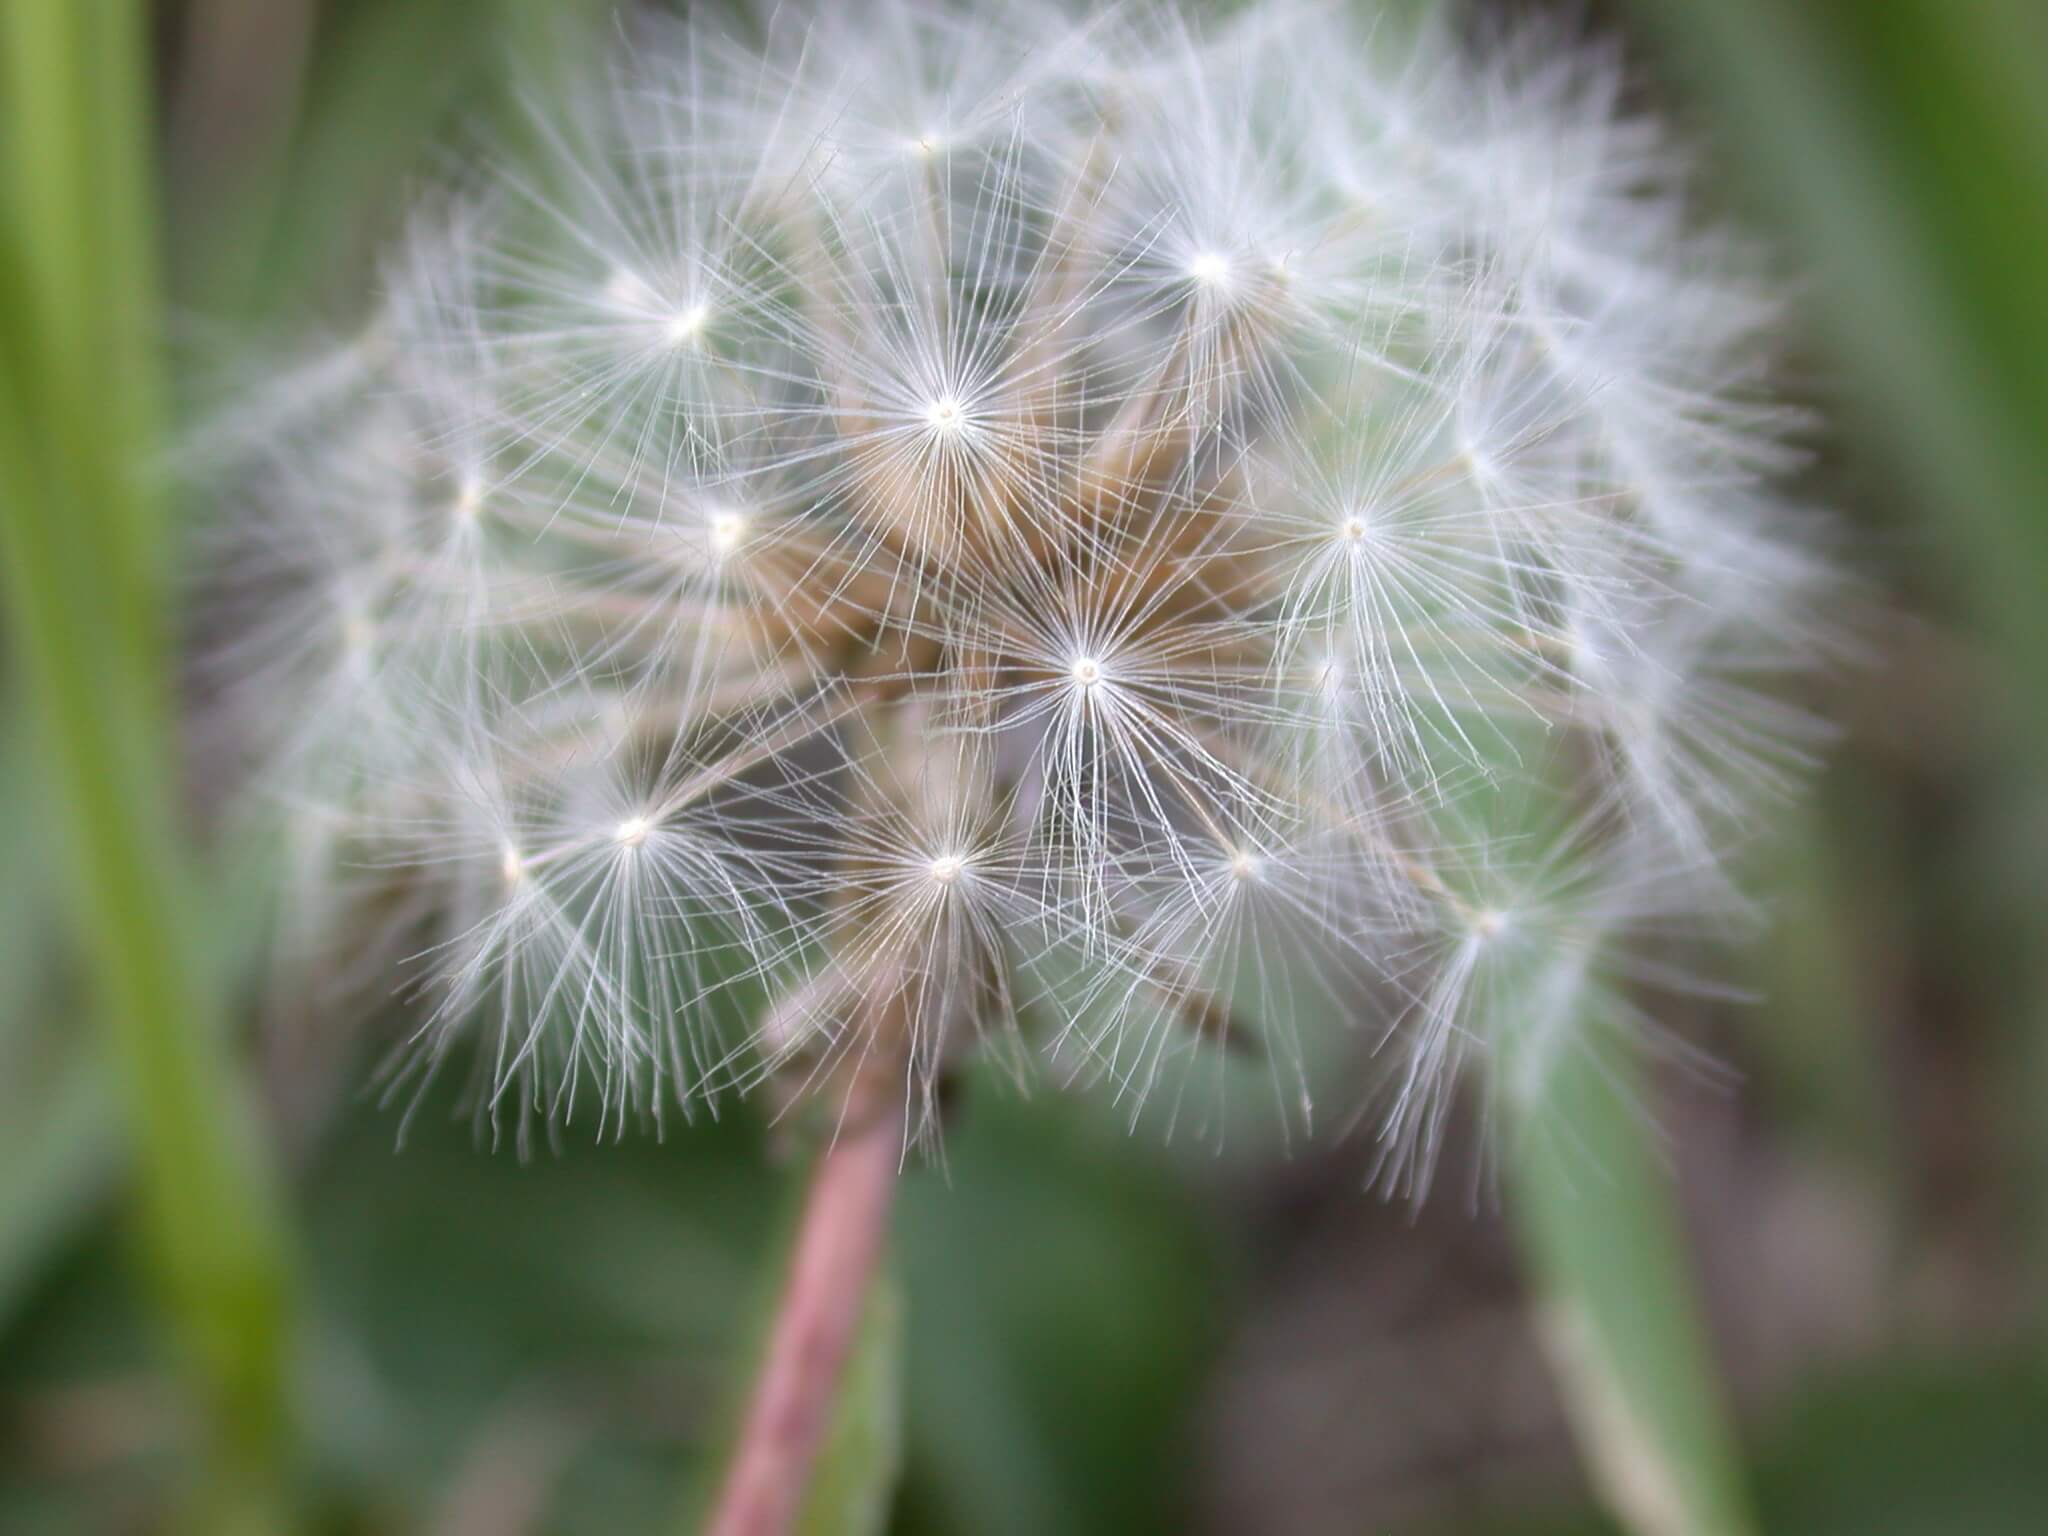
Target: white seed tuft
[1288,505]
[726,530]
[685,326]
[1210,268]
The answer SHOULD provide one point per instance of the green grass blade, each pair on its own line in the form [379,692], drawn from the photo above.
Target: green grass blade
[210,1227]
[73,106]
[1615,1305]
[84,571]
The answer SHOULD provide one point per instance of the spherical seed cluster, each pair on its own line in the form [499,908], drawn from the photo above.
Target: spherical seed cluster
[1129,548]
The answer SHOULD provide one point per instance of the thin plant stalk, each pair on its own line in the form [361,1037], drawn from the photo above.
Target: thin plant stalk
[839,1241]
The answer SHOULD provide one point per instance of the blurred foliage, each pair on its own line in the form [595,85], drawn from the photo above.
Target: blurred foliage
[1908,1451]
[547,1346]
[497,1346]
[1902,151]
[55,1125]
[1905,148]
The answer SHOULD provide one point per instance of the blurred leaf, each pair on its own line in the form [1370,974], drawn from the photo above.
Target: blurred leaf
[1891,1450]
[93,1443]
[57,1156]
[1905,1451]
[1615,1307]
[1064,1306]
[600,1287]
[1818,1034]
[1061,1310]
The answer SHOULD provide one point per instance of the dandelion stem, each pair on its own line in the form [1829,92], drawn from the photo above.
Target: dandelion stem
[838,1244]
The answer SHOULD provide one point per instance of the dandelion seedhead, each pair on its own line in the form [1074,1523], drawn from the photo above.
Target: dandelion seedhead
[1152,554]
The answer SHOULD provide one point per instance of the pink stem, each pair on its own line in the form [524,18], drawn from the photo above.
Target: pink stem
[839,1240]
